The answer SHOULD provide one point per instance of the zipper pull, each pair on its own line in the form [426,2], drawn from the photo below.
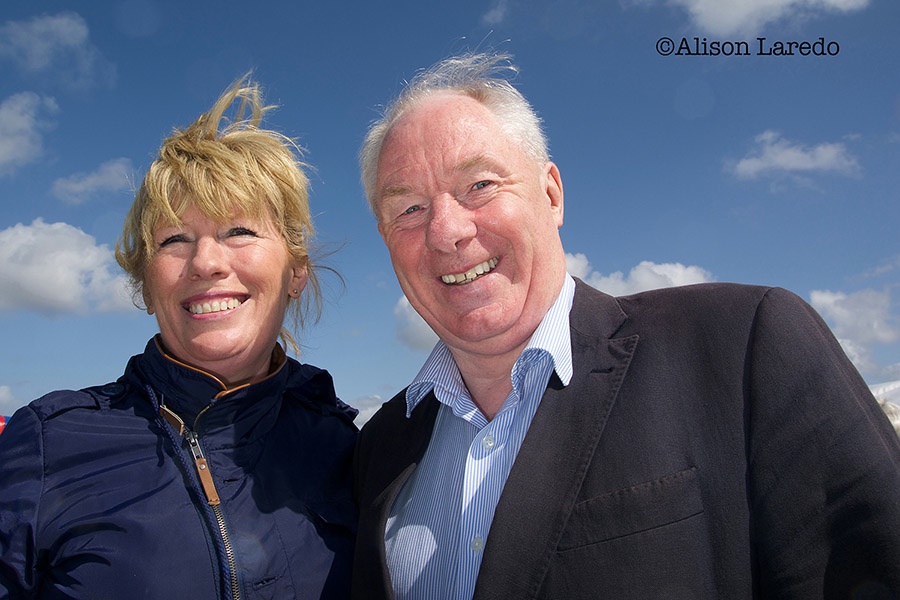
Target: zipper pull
[206,480]
[202,468]
[172,419]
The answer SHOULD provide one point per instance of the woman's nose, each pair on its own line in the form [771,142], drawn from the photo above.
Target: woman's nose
[209,259]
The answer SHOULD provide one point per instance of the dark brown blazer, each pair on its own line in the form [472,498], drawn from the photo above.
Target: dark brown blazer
[714,442]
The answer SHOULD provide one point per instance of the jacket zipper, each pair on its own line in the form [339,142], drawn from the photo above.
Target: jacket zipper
[209,488]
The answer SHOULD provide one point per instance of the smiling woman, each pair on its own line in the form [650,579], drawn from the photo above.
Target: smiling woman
[226,458]
[220,292]
[241,172]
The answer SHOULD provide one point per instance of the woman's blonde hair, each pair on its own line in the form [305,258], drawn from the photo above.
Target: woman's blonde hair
[224,168]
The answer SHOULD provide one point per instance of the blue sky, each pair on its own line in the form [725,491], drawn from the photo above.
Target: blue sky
[758,168]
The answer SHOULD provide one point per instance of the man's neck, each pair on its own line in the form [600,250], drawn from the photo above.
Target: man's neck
[488,378]
[488,373]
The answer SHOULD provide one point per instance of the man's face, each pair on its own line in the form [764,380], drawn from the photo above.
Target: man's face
[471,223]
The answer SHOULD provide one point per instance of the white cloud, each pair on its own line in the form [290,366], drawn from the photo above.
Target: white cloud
[888,396]
[22,119]
[8,402]
[112,176]
[883,269]
[864,316]
[749,17]
[859,354]
[887,392]
[645,276]
[57,47]
[860,321]
[367,406]
[55,268]
[412,330]
[496,15]
[578,265]
[774,154]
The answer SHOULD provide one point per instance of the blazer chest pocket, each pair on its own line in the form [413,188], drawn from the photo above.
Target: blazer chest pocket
[633,510]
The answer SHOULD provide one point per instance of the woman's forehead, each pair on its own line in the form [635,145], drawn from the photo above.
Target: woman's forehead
[221,214]
[221,206]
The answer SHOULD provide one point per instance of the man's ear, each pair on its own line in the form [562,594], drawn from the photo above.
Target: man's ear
[554,191]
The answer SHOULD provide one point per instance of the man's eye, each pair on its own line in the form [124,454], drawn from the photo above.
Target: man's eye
[412,209]
[481,184]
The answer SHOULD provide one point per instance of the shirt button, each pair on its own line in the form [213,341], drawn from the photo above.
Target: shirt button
[488,442]
[477,544]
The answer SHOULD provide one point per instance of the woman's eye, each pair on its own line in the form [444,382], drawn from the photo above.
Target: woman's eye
[172,239]
[235,231]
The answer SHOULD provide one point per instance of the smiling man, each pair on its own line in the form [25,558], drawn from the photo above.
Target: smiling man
[472,225]
[698,442]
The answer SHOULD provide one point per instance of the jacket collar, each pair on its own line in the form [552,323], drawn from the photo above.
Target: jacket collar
[542,486]
[203,401]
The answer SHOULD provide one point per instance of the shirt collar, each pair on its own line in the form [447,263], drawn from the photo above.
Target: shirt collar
[552,335]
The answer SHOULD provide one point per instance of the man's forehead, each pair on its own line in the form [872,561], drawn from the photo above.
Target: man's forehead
[439,139]
[441,134]
[443,114]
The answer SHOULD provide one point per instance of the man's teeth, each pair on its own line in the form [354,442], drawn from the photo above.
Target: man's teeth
[472,274]
[214,306]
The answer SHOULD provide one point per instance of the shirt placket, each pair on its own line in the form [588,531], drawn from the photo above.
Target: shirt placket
[485,461]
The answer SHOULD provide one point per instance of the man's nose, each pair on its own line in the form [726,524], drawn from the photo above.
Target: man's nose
[450,224]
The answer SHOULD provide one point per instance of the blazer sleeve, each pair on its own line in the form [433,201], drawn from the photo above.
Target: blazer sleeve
[824,463]
[21,478]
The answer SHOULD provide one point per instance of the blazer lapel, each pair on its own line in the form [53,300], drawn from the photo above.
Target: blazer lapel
[400,451]
[558,448]
[399,448]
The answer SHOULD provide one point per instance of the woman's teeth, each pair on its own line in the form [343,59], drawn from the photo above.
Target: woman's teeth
[214,306]
[472,274]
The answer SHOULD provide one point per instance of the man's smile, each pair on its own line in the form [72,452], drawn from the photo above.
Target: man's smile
[472,274]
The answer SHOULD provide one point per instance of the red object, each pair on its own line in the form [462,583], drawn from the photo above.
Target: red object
[2,423]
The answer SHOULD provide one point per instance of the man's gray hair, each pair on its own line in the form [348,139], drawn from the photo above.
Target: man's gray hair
[477,75]
[892,411]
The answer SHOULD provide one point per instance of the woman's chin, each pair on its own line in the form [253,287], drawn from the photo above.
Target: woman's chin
[227,359]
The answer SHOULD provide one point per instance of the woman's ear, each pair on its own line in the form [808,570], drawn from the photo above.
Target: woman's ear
[298,281]
[147,302]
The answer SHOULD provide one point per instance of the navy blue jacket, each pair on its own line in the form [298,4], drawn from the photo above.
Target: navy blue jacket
[101,497]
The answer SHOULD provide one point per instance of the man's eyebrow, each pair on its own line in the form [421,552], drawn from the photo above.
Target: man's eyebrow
[475,162]
[392,191]
[479,161]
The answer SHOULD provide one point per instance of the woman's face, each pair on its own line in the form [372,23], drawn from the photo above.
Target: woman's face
[220,291]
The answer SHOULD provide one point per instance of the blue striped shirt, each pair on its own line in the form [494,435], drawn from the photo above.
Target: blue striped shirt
[438,526]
